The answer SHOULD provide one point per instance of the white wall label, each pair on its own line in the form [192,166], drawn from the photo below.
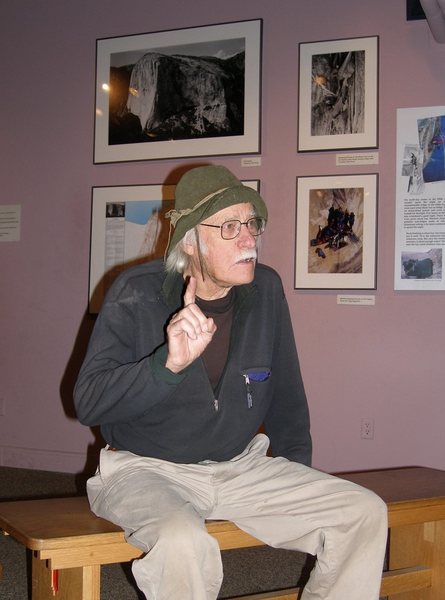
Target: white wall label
[360,158]
[251,161]
[10,216]
[356,299]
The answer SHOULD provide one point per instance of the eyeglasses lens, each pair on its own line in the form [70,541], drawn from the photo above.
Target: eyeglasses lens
[255,225]
[231,229]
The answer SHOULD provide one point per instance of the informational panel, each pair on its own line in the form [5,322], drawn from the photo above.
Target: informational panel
[420,201]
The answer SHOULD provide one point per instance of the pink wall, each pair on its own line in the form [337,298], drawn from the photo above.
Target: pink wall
[383,362]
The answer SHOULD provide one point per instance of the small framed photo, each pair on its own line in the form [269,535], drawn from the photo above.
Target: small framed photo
[338,94]
[128,227]
[179,93]
[336,232]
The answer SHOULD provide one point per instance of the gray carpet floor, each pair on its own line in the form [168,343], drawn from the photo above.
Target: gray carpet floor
[246,571]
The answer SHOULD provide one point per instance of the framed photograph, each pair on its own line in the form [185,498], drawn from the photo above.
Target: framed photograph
[179,93]
[338,94]
[128,227]
[336,232]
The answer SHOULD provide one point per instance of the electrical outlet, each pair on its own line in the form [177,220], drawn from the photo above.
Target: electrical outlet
[367,429]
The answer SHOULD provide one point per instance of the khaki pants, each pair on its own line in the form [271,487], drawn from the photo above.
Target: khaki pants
[162,507]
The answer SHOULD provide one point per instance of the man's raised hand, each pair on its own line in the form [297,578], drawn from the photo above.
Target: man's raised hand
[188,333]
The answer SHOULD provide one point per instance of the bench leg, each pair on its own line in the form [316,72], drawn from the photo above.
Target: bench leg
[80,583]
[438,560]
[420,544]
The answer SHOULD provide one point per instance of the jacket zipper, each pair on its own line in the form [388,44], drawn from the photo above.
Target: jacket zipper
[248,390]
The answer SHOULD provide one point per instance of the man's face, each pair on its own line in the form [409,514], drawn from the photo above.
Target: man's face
[224,263]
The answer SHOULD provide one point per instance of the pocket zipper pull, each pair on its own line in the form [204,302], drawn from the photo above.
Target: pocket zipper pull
[249,392]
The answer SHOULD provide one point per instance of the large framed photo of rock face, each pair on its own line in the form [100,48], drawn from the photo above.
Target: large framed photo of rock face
[338,94]
[180,93]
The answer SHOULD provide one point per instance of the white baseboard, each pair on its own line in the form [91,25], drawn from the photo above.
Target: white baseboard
[45,460]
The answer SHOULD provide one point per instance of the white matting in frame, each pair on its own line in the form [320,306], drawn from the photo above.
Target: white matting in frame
[179,93]
[336,232]
[338,94]
[128,227]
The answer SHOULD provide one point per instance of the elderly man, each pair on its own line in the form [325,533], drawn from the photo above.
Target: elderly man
[187,360]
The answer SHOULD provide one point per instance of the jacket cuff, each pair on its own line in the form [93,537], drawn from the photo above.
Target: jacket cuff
[160,371]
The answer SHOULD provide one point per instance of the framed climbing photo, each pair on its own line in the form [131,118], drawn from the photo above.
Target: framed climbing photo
[179,93]
[336,232]
[338,94]
[128,227]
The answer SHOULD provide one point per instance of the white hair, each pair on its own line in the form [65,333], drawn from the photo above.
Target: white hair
[178,260]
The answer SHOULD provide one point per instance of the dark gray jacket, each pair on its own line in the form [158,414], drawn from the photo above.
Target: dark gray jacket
[141,406]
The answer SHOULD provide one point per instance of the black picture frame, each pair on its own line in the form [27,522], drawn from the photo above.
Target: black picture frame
[336,232]
[335,79]
[179,93]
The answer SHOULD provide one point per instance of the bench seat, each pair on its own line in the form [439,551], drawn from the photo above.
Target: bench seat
[70,543]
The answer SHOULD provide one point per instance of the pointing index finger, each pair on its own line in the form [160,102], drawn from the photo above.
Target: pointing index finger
[190,291]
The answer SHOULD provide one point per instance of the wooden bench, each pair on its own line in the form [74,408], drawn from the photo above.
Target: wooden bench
[70,544]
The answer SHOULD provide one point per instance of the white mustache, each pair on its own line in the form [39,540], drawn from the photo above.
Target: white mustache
[247,255]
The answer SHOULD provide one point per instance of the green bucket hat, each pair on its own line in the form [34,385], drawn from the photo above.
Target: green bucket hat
[202,192]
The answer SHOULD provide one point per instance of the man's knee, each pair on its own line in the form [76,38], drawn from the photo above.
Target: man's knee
[184,536]
[370,509]
[182,531]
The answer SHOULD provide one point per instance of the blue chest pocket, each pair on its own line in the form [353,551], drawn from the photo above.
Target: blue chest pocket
[257,374]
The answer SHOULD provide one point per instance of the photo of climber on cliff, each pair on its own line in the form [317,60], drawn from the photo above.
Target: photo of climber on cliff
[412,168]
[338,100]
[432,142]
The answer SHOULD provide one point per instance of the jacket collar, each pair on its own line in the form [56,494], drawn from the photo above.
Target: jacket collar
[173,289]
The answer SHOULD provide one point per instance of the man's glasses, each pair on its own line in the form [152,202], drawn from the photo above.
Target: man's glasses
[231,229]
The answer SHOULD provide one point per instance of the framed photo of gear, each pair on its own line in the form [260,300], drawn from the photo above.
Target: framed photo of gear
[336,232]
[338,94]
